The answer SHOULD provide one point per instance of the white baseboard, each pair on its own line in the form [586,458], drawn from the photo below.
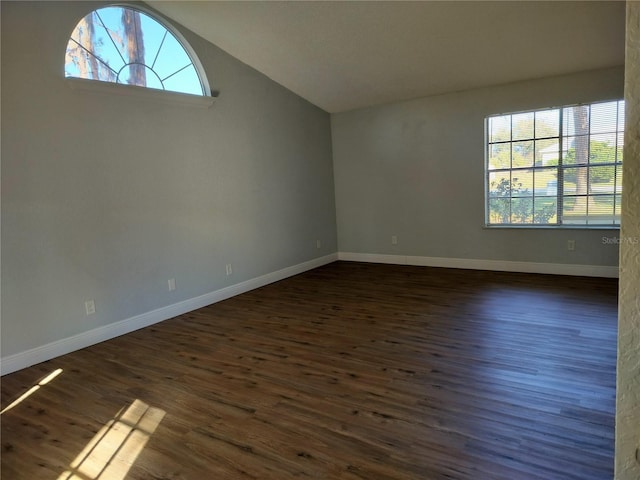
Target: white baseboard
[496,265]
[51,350]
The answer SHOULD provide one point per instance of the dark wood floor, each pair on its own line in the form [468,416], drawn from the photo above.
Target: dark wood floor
[350,371]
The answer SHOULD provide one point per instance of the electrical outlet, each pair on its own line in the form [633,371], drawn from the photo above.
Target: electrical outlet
[571,245]
[229,269]
[172,284]
[394,239]
[90,307]
[318,244]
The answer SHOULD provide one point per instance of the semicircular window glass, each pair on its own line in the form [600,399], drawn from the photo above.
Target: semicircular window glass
[124,45]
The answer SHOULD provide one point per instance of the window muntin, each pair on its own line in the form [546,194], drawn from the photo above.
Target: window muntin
[125,45]
[558,166]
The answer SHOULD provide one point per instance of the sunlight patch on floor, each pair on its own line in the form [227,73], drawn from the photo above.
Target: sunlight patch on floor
[115,448]
[32,390]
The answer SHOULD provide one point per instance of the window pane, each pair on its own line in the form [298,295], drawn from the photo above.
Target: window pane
[186,81]
[574,210]
[82,64]
[567,122]
[547,152]
[500,156]
[602,179]
[621,116]
[522,210]
[545,210]
[522,183]
[499,210]
[620,149]
[171,58]
[546,181]
[601,209]
[602,148]
[575,180]
[522,126]
[154,34]
[112,19]
[568,154]
[575,120]
[619,173]
[547,123]
[522,154]
[500,184]
[102,46]
[84,56]
[604,117]
[500,128]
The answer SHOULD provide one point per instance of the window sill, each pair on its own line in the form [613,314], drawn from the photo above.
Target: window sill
[162,96]
[551,227]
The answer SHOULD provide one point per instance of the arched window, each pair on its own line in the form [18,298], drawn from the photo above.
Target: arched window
[122,44]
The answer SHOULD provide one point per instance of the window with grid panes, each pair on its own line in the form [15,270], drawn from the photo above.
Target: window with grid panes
[555,167]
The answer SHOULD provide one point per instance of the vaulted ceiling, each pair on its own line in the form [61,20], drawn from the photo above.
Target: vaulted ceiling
[351,54]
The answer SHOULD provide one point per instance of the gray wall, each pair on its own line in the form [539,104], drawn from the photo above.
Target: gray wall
[415,169]
[106,197]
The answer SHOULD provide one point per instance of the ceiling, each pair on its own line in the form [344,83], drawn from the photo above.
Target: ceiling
[351,54]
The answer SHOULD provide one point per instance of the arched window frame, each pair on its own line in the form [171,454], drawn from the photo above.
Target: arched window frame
[206,99]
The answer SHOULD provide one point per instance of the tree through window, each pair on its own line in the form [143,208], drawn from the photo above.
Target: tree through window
[124,45]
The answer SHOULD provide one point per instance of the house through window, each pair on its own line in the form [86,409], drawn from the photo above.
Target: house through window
[558,166]
[125,45]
